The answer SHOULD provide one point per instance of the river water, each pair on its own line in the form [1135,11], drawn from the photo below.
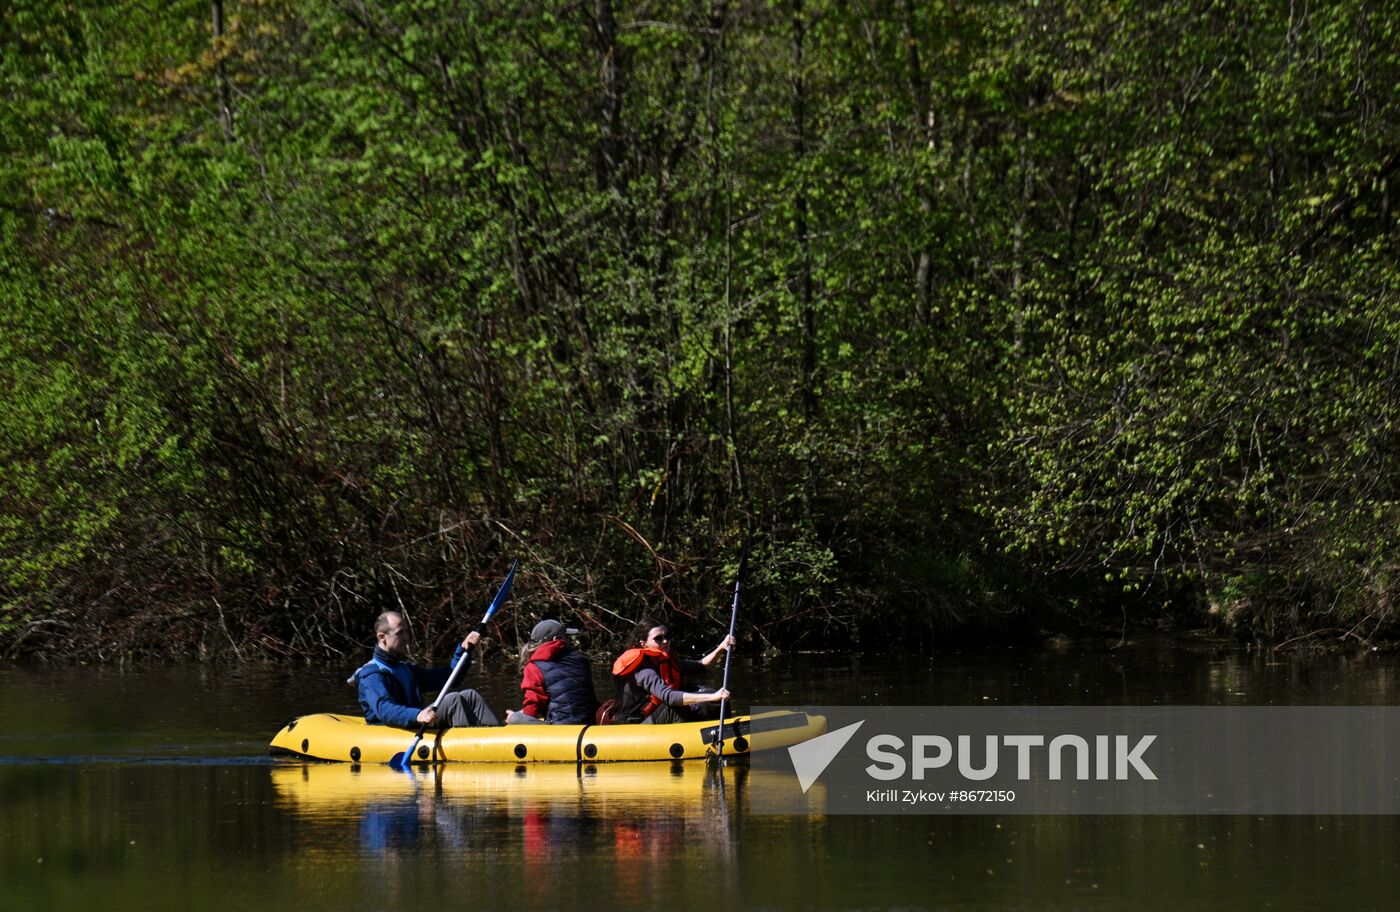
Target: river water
[152,790]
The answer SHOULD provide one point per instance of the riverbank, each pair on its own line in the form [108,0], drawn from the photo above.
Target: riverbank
[500,645]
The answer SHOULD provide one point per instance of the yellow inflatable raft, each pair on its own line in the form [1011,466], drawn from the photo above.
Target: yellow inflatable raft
[330,736]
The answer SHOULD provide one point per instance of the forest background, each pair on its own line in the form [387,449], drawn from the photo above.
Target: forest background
[970,318]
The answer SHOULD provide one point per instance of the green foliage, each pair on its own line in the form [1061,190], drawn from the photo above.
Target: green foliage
[963,312]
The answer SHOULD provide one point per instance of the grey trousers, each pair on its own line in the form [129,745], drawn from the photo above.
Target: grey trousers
[465,709]
[666,715]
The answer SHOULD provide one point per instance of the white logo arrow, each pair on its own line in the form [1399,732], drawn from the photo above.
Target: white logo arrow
[810,758]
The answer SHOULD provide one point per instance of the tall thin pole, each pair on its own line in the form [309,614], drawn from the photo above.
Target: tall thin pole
[729,653]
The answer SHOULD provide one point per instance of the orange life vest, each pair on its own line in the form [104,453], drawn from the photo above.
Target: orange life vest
[666,665]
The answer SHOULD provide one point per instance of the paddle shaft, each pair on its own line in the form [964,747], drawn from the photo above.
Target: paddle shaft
[446,688]
[729,653]
[461,663]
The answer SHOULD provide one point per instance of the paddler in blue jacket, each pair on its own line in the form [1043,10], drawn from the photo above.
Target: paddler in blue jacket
[392,688]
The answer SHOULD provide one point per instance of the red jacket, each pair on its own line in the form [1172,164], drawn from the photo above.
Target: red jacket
[536,701]
[558,685]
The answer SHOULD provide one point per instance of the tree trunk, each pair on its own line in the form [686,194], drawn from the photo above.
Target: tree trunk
[225,94]
[924,124]
[804,268]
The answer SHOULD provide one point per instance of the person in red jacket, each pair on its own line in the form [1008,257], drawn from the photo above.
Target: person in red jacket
[555,679]
[653,680]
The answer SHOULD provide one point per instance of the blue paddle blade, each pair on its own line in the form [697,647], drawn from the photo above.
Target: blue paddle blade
[500,594]
[404,760]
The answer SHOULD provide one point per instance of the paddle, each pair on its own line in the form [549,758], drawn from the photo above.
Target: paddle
[728,654]
[404,760]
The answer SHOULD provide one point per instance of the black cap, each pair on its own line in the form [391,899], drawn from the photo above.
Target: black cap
[550,629]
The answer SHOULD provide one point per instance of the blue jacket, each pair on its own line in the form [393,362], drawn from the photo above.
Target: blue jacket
[391,690]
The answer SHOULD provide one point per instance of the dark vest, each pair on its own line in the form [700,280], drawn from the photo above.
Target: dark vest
[569,684]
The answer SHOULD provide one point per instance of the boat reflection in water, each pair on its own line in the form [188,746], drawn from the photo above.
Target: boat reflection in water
[637,820]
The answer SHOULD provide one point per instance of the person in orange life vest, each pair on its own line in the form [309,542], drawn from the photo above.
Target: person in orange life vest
[653,680]
[555,679]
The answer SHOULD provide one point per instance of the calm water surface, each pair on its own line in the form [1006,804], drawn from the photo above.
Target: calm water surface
[152,790]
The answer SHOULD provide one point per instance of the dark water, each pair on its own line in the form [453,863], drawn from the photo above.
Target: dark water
[152,790]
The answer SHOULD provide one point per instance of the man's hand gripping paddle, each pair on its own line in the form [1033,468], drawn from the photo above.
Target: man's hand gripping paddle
[404,760]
